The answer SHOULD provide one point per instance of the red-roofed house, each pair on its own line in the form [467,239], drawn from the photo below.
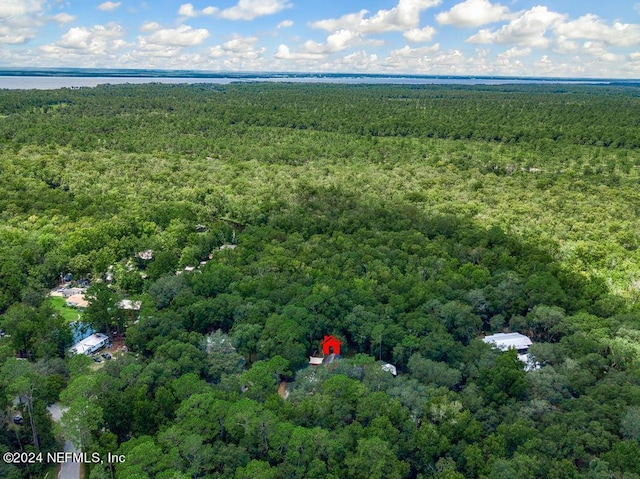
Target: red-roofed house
[330,345]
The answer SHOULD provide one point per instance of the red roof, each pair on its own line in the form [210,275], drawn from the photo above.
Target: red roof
[330,344]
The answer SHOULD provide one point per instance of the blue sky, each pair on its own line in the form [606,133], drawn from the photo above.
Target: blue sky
[561,38]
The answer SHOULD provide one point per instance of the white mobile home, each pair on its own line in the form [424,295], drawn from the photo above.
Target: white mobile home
[90,344]
[517,341]
[504,341]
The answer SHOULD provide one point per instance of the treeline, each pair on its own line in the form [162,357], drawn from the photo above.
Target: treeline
[114,117]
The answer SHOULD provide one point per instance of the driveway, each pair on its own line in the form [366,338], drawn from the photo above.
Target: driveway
[68,470]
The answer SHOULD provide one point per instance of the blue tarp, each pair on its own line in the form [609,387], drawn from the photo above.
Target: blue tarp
[80,331]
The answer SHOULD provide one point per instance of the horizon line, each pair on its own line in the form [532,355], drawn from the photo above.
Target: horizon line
[186,73]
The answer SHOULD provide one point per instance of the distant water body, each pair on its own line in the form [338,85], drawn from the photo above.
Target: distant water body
[51,79]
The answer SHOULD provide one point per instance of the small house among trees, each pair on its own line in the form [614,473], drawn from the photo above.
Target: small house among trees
[517,341]
[330,345]
[77,301]
[90,344]
[504,341]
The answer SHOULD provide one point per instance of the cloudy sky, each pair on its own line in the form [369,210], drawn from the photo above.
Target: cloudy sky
[583,38]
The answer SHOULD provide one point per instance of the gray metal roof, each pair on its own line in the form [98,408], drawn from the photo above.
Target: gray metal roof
[506,341]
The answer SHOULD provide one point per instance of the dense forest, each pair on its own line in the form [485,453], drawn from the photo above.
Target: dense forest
[251,220]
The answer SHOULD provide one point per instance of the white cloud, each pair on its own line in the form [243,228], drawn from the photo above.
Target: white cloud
[515,53]
[593,27]
[599,50]
[154,56]
[509,63]
[187,10]
[358,61]
[284,53]
[417,35]
[182,36]
[473,13]
[336,42]
[350,29]
[426,60]
[250,9]
[528,29]
[63,18]
[150,27]
[545,65]
[20,19]
[348,21]
[408,52]
[216,52]
[16,8]
[240,45]
[285,59]
[564,46]
[109,6]
[96,41]
[570,67]
[285,24]
[77,38]
[587,26]
[405,15]
[13,36]
[238,48]
[155,50]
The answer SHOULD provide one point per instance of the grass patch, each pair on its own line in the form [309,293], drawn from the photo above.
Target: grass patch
[60,305]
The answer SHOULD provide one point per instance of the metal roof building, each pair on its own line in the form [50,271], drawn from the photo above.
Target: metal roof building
[520,342]
[90,344]
[504,341]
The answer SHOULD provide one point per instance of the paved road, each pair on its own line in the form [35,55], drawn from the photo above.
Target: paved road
[68,470]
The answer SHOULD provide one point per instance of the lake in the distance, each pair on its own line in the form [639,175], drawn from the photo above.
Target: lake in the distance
[56,82]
